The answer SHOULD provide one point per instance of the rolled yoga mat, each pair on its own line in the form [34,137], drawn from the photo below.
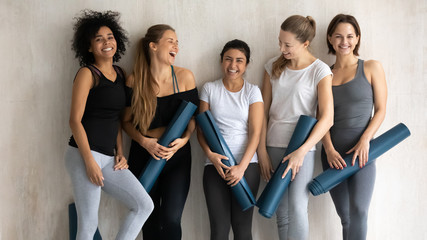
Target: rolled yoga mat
[72,218]
[275,188]
[332,177]
[175,129]
[217,144]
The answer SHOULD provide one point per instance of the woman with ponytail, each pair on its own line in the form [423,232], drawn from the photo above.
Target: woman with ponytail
[157,88]
[295,83]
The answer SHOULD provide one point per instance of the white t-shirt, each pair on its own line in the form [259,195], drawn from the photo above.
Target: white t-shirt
[294,93]
[231,112]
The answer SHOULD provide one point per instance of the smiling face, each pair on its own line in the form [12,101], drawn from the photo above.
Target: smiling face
[233,64]
[344,39]
[103,45]
[290,46]
[167,48]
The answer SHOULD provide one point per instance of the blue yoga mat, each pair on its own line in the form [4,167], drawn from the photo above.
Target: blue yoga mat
[275,188]
[174,130]
[217,144]
[332,177]
[72,217]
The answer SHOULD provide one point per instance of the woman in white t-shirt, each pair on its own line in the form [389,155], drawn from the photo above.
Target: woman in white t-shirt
[236,106]
[295,83]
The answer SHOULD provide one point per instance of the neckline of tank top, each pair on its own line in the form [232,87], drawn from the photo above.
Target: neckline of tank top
[303,69]
[354,78]
[103,76]
[173,94]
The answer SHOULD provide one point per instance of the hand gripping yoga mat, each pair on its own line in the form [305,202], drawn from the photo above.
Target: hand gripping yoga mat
[72,217]
[174,130]
[275,188]
[332,177]
[217,144]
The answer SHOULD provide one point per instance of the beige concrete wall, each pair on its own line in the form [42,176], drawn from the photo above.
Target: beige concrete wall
[37,68]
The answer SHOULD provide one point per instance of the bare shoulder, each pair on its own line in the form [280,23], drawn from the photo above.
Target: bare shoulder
[84,75]
[374,70]
[185,78]
[373,65]
[130,80]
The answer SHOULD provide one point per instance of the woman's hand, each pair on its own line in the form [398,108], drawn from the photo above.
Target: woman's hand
[265,165]
[121,162]
[175,146]
[296,159]
[156,150]
[94,173]
[215,159]
[361,150]
[335,160]
[234,174]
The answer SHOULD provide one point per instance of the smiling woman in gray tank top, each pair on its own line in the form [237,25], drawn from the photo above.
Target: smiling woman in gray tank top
[358,86]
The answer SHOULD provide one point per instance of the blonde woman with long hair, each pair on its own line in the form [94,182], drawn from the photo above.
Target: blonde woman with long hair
[157,88]
[295,83]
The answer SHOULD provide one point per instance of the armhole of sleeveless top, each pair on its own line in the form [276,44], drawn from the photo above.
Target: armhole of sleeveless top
[96,75]
[119,71]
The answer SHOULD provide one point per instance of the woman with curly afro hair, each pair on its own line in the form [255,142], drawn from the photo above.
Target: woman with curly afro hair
[94,158]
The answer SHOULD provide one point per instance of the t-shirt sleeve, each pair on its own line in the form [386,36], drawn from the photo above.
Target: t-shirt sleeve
[255,95]
[205,93]
[269,65]
[322,71]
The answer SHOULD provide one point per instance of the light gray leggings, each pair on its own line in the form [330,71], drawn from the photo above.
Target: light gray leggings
[121,184]
[292,216]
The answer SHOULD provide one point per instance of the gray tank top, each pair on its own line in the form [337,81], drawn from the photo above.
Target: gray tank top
[353,101]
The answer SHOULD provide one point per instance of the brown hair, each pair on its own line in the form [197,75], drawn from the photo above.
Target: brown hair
[342,18]
[304,29]
[144,96]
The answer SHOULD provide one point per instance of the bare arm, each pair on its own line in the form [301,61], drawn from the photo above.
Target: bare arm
[375,73]
[81,87]
[263,158]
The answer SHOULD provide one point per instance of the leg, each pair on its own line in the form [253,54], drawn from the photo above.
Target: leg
[138,158]
[123,186]
[276,156]
[86,195]
[242,221]
[174,187]
[298,199]
[218,200]
[361,187]
[341,198]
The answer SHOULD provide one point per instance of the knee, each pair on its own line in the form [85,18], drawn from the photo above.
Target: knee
[359,213]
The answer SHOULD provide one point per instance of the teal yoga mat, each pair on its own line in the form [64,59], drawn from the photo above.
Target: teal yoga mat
[332,177]
[275,188]
[174,130]
[72,217]
[217,144]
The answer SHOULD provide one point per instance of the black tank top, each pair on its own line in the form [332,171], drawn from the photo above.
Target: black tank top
[102,112]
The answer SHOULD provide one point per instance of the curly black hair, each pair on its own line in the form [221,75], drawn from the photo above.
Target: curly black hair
[85,29]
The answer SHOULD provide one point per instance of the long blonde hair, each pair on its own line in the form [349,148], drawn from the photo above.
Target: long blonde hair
[144,101]
[304,29]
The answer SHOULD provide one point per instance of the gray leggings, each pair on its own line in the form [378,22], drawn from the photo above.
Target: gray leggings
[292,216]
[121,184]
[352,198]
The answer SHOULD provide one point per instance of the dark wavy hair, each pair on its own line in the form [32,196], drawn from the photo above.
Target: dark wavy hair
[85,29]
[239,45]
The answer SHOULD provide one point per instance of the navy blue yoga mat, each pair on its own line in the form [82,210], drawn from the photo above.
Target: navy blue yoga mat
[332,177]
[175,130]
[275,188]
[217,144]
[72,217]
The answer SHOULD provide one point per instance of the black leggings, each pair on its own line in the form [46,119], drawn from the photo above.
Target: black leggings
[169,193]
[223,208]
